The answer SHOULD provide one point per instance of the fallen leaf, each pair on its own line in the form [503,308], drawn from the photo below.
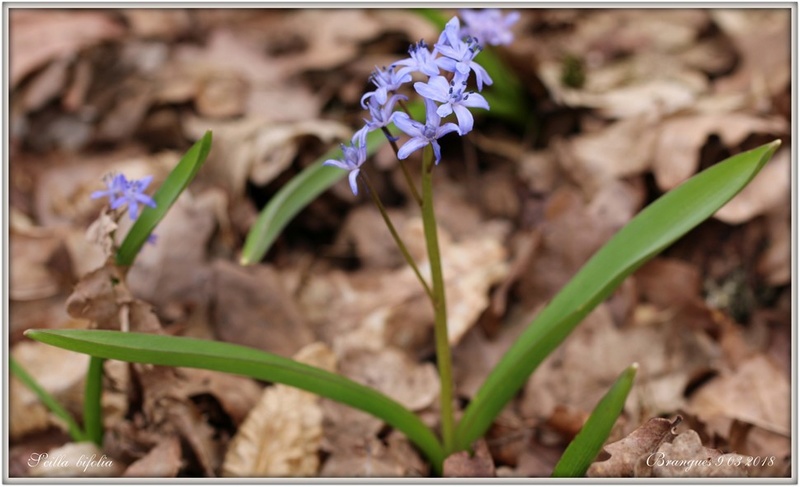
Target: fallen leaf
[40,36]
[464,464]
[770,188]
[677,151]
[415,386]
[686,456]
[59,372]
[252,308]
[282,433]
[30,276]
[762,39]
[375,458]
[169,271]
[775,263]
[626,454]
[757,392]
[164,460]
[581,370]
[258,150]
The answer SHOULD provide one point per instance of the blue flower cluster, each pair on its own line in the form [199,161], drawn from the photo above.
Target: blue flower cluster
[447,67]
[121,191]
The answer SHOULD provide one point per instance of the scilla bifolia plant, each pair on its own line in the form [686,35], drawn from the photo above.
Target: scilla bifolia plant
[443,76]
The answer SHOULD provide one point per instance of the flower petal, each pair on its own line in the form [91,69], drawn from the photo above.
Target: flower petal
[412,145]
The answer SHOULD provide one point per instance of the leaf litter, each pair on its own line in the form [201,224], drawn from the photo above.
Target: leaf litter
[630,103]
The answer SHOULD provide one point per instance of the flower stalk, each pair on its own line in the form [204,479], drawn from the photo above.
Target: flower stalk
[396,236]
[443,356]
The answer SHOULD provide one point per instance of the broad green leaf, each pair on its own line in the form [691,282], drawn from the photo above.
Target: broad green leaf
[235,359]
[75,431]
[173,186]
[583,449]
[650,232]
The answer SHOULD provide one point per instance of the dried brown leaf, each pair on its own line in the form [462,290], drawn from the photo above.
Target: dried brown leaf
[172,271]
[255,149]
[757,392]
[282,433]
[39,36]
[464,464]
[686,456]
[59,372]
[580,372]
[252,308]
[375,458]
[677,151]
[627,453]
[30,249]
[415,386]
[769,189]
[164,460]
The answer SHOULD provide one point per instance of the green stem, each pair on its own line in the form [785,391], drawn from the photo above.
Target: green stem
[439,303]
[406,173]
[75,431]
[92,404]
[395,235]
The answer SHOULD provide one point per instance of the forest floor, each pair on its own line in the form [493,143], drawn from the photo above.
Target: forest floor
[623,105]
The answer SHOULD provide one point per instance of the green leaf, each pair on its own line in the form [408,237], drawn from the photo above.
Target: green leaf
[93,401]
[75,431]
[173,186]
[583,449]
[651,231]
[235,359]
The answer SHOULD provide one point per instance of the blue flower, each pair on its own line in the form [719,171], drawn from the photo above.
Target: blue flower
[453,98]
[458,53]
[423,134]
[121,191]
[381,114]
[421,59]
[489,26]
[386,80]
[353,156]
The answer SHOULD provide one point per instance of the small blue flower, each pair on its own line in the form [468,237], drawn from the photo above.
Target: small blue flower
[423,134]
[121,191]
[453,98]
[421,59]
[382,114]
[353,156]
[386,80]
[489,26]
[458,53]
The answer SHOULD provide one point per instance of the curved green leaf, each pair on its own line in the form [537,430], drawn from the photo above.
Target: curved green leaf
[235,359]
[293,197]
[650,232]
[583,449]
[173,186]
